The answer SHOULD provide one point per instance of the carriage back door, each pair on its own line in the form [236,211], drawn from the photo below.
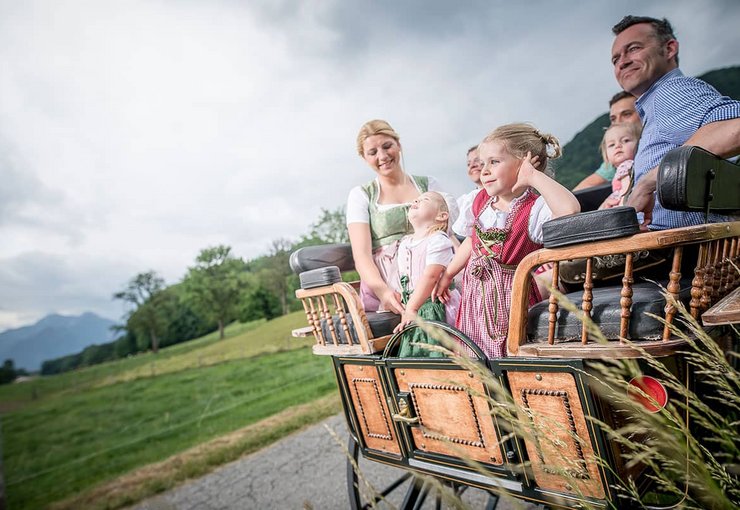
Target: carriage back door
[561,443]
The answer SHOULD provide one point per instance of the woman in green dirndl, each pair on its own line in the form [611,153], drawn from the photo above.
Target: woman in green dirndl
[376,215]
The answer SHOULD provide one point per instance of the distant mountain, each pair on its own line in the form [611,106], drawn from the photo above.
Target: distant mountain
[52,337]
[581,155]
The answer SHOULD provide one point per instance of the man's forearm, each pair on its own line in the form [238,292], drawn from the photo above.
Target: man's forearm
[721,138]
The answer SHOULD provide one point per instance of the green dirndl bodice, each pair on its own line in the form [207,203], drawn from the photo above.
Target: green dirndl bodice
[391,224]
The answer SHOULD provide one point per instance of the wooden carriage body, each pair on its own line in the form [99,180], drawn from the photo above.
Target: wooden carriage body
[433,416]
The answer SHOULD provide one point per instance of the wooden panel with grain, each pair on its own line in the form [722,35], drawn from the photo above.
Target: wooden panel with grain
[561,442]
[371,408]
[454,416]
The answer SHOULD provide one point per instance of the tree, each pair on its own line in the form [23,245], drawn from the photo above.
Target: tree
[215,284]
[7,372]
[331,227]
[276,270]
[143,293]
[259,303]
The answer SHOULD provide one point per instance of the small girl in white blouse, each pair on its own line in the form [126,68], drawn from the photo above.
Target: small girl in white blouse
[422,257]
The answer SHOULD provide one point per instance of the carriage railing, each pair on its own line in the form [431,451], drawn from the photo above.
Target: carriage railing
[350,333]
[714,276]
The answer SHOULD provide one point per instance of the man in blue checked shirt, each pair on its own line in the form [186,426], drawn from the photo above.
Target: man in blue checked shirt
[675,110]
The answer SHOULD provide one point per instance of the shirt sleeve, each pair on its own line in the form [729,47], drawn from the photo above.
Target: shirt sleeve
[358,206]
[464,203]
[439,250]
[539,214]
[686,104]
[465,220]
[606,171]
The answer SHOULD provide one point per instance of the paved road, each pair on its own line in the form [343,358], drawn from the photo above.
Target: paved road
[304,471]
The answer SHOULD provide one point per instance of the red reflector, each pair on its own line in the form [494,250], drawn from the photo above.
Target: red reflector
[651,386]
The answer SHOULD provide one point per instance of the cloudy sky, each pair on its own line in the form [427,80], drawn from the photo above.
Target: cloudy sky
[135,133]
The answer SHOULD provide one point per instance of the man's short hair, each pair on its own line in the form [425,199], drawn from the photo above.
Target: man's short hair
[473,148]
[619,96]
[662,27]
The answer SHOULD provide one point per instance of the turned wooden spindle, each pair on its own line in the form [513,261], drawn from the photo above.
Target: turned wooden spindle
[326,314]
[553,306]
[706,293]
[309,319]
[316,322]
[724,271]
[733,276]
[587,302]
[673,288]
[732,258]
[697,283]
[625,302]
[717,276]
[339,306]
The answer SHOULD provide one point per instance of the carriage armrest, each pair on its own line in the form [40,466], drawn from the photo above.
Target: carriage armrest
[590,226]
[314,257]
[693,179]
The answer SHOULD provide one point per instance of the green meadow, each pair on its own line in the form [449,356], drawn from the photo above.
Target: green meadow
[63,435]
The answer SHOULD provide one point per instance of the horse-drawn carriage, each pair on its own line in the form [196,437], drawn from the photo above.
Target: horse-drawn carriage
[435,416]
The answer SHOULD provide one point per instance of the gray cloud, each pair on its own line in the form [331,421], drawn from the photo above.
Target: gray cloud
[132,136]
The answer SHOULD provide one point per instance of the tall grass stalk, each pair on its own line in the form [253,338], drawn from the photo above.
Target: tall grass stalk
[689,450]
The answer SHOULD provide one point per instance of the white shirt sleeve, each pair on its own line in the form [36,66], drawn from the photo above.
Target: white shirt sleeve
[358,206]
[466,220]
[539,214]
[439,250]
[464,205]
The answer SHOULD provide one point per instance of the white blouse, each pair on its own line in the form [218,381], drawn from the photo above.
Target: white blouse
[439,248]
[358,203]
[464,203]
[539,214]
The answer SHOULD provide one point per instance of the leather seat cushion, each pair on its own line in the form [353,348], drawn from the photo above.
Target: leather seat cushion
[590,226]
[606,312]
[314,257]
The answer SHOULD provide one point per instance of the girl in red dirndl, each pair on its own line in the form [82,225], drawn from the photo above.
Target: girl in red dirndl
[503,226]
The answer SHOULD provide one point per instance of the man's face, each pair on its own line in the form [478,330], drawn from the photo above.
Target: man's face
[639,58]
[624,111]
[474,166]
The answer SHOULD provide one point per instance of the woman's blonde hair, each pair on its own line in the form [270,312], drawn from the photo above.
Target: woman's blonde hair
[375,127]
[442,207]
[632,128]
[520,138]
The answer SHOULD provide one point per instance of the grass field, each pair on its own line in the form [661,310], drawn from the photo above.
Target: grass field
[85,428]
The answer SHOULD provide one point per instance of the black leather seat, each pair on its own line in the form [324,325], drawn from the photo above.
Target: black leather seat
[606,312]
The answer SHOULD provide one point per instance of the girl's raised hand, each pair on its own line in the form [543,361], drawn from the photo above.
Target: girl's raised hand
[527,169]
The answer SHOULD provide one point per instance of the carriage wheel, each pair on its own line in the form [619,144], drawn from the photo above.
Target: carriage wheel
[396,481]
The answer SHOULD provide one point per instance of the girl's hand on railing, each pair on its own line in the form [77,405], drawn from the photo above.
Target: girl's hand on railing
[407,317]
[441,291]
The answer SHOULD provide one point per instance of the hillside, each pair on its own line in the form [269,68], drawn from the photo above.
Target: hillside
[581,155]
[63,435]
[52,337]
